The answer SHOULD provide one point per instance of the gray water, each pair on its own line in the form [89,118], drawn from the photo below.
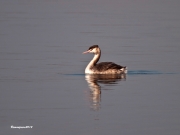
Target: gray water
[42,80]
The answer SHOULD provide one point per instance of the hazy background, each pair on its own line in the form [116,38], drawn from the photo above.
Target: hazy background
[42,81]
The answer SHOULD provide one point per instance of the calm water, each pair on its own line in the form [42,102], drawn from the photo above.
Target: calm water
[42,78]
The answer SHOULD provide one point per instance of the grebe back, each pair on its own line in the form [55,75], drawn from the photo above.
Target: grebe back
[103,67]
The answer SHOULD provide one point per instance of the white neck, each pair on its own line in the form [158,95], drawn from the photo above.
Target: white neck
[92,63]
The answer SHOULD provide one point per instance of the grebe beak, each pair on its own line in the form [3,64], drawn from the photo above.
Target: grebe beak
[86,52]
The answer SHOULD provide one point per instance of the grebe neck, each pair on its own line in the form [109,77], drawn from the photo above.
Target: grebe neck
[93,62]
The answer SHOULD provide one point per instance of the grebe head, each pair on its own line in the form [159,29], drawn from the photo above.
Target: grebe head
[93,49]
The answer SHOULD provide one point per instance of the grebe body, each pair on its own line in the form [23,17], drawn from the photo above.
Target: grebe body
[103,67]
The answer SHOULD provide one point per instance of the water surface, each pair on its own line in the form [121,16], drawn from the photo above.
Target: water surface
[42,76]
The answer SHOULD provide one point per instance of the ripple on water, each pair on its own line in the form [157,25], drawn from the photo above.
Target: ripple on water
[133,72]
[146,72]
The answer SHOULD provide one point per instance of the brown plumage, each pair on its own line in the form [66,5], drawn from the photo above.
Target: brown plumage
[103,67]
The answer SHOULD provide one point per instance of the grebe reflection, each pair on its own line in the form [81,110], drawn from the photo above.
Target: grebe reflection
[94,80]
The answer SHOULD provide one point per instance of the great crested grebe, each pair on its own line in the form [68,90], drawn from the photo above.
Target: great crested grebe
[103,67]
